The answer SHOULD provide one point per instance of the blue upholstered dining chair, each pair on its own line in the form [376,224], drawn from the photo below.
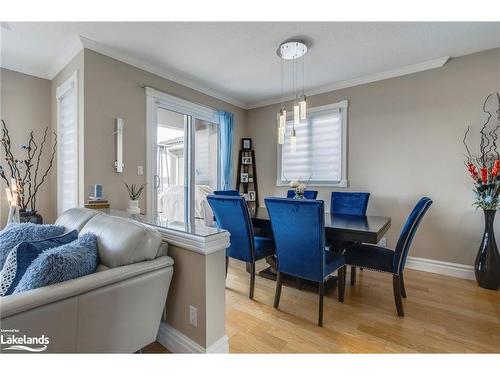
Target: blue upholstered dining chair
[232,215]
[349,203]
[227,192]
[308,194]
[385,260]
[299,234]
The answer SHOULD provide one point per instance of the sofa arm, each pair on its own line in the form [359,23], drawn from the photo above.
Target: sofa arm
[17,303]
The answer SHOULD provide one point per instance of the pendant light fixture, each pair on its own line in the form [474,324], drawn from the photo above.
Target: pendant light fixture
[292,50]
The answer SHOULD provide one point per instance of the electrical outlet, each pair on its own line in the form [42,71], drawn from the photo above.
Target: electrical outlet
[193,316]
[140,170]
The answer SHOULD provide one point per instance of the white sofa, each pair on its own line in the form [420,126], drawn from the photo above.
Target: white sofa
[114,310]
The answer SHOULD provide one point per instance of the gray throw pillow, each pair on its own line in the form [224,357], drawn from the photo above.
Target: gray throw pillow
[13,234]
[75,259]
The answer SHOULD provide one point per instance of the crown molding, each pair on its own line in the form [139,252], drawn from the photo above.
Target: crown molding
[141,64]
[405,70]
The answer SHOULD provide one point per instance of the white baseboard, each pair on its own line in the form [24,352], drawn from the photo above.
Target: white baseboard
[177,342]
[461,271]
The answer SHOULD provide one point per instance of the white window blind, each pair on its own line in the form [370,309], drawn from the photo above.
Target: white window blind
[320,151]
[67,157]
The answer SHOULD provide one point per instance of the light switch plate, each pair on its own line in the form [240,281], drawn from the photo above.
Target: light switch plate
[140,170]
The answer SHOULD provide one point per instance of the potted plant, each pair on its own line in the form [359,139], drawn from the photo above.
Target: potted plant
[134,194]
[484,168]
[26,172]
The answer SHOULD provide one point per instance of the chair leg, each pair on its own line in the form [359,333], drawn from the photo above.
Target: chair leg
[353,275]
[396,285]
[227,265]
[321,295]
[277,294]
[252,280]
[403,290]
[342,276]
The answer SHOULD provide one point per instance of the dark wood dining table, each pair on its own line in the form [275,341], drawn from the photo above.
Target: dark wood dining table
[349,228]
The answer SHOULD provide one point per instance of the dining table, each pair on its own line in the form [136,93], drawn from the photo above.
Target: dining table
[338,227]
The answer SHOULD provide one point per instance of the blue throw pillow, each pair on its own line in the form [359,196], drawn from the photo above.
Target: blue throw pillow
[21,257]
[75,259]
[13,234]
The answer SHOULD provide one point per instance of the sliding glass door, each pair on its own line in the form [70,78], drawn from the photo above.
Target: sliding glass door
[183,161]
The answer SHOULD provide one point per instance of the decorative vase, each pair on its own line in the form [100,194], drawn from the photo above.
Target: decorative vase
[133,207]
[487,266]
[299,195]
[30,217]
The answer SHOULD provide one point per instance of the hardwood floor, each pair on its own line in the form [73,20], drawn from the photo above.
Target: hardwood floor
[442,315]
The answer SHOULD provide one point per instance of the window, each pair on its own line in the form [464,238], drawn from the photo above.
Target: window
[182,156]
[67,145]
[320,156]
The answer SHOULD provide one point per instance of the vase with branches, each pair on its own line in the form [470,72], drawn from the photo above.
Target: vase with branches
[484,169]
[27,171]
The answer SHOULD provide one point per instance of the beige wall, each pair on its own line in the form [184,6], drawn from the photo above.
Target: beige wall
[25,106]
[404,141]
[112,89]
[198,281]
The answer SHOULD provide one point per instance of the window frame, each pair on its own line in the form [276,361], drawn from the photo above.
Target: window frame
[61,91]
[342,106]
[158,99]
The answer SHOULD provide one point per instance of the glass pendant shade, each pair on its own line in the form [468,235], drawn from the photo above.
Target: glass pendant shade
[281,135]
[296,113]
[293,141]
[282,117]
[281,125]
[303,107]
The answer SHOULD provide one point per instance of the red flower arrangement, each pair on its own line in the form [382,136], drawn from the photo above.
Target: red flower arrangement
[484,168]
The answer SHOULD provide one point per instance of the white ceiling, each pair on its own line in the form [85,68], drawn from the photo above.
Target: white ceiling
[237,61]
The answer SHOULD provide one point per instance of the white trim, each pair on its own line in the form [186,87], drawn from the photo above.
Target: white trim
[343,106]
[177,342]
[397,72]
[162,72]
[70,83]
[199,244]
[461,271]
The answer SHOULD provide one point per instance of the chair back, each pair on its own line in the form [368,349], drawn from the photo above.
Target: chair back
[299,236]
[308,194]
[348,203]
[227,192]
[408,232]
[231,214]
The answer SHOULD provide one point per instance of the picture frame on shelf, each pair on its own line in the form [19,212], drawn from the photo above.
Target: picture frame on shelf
[250,179]
[244,177]
[246,143]
[251,196]
[247,160]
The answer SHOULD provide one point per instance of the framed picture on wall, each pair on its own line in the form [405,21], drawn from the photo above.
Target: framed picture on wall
[246,143]
[246,160]
[244,177]
[251,196]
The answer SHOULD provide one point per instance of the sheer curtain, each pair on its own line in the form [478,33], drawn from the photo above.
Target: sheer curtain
[226,126]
